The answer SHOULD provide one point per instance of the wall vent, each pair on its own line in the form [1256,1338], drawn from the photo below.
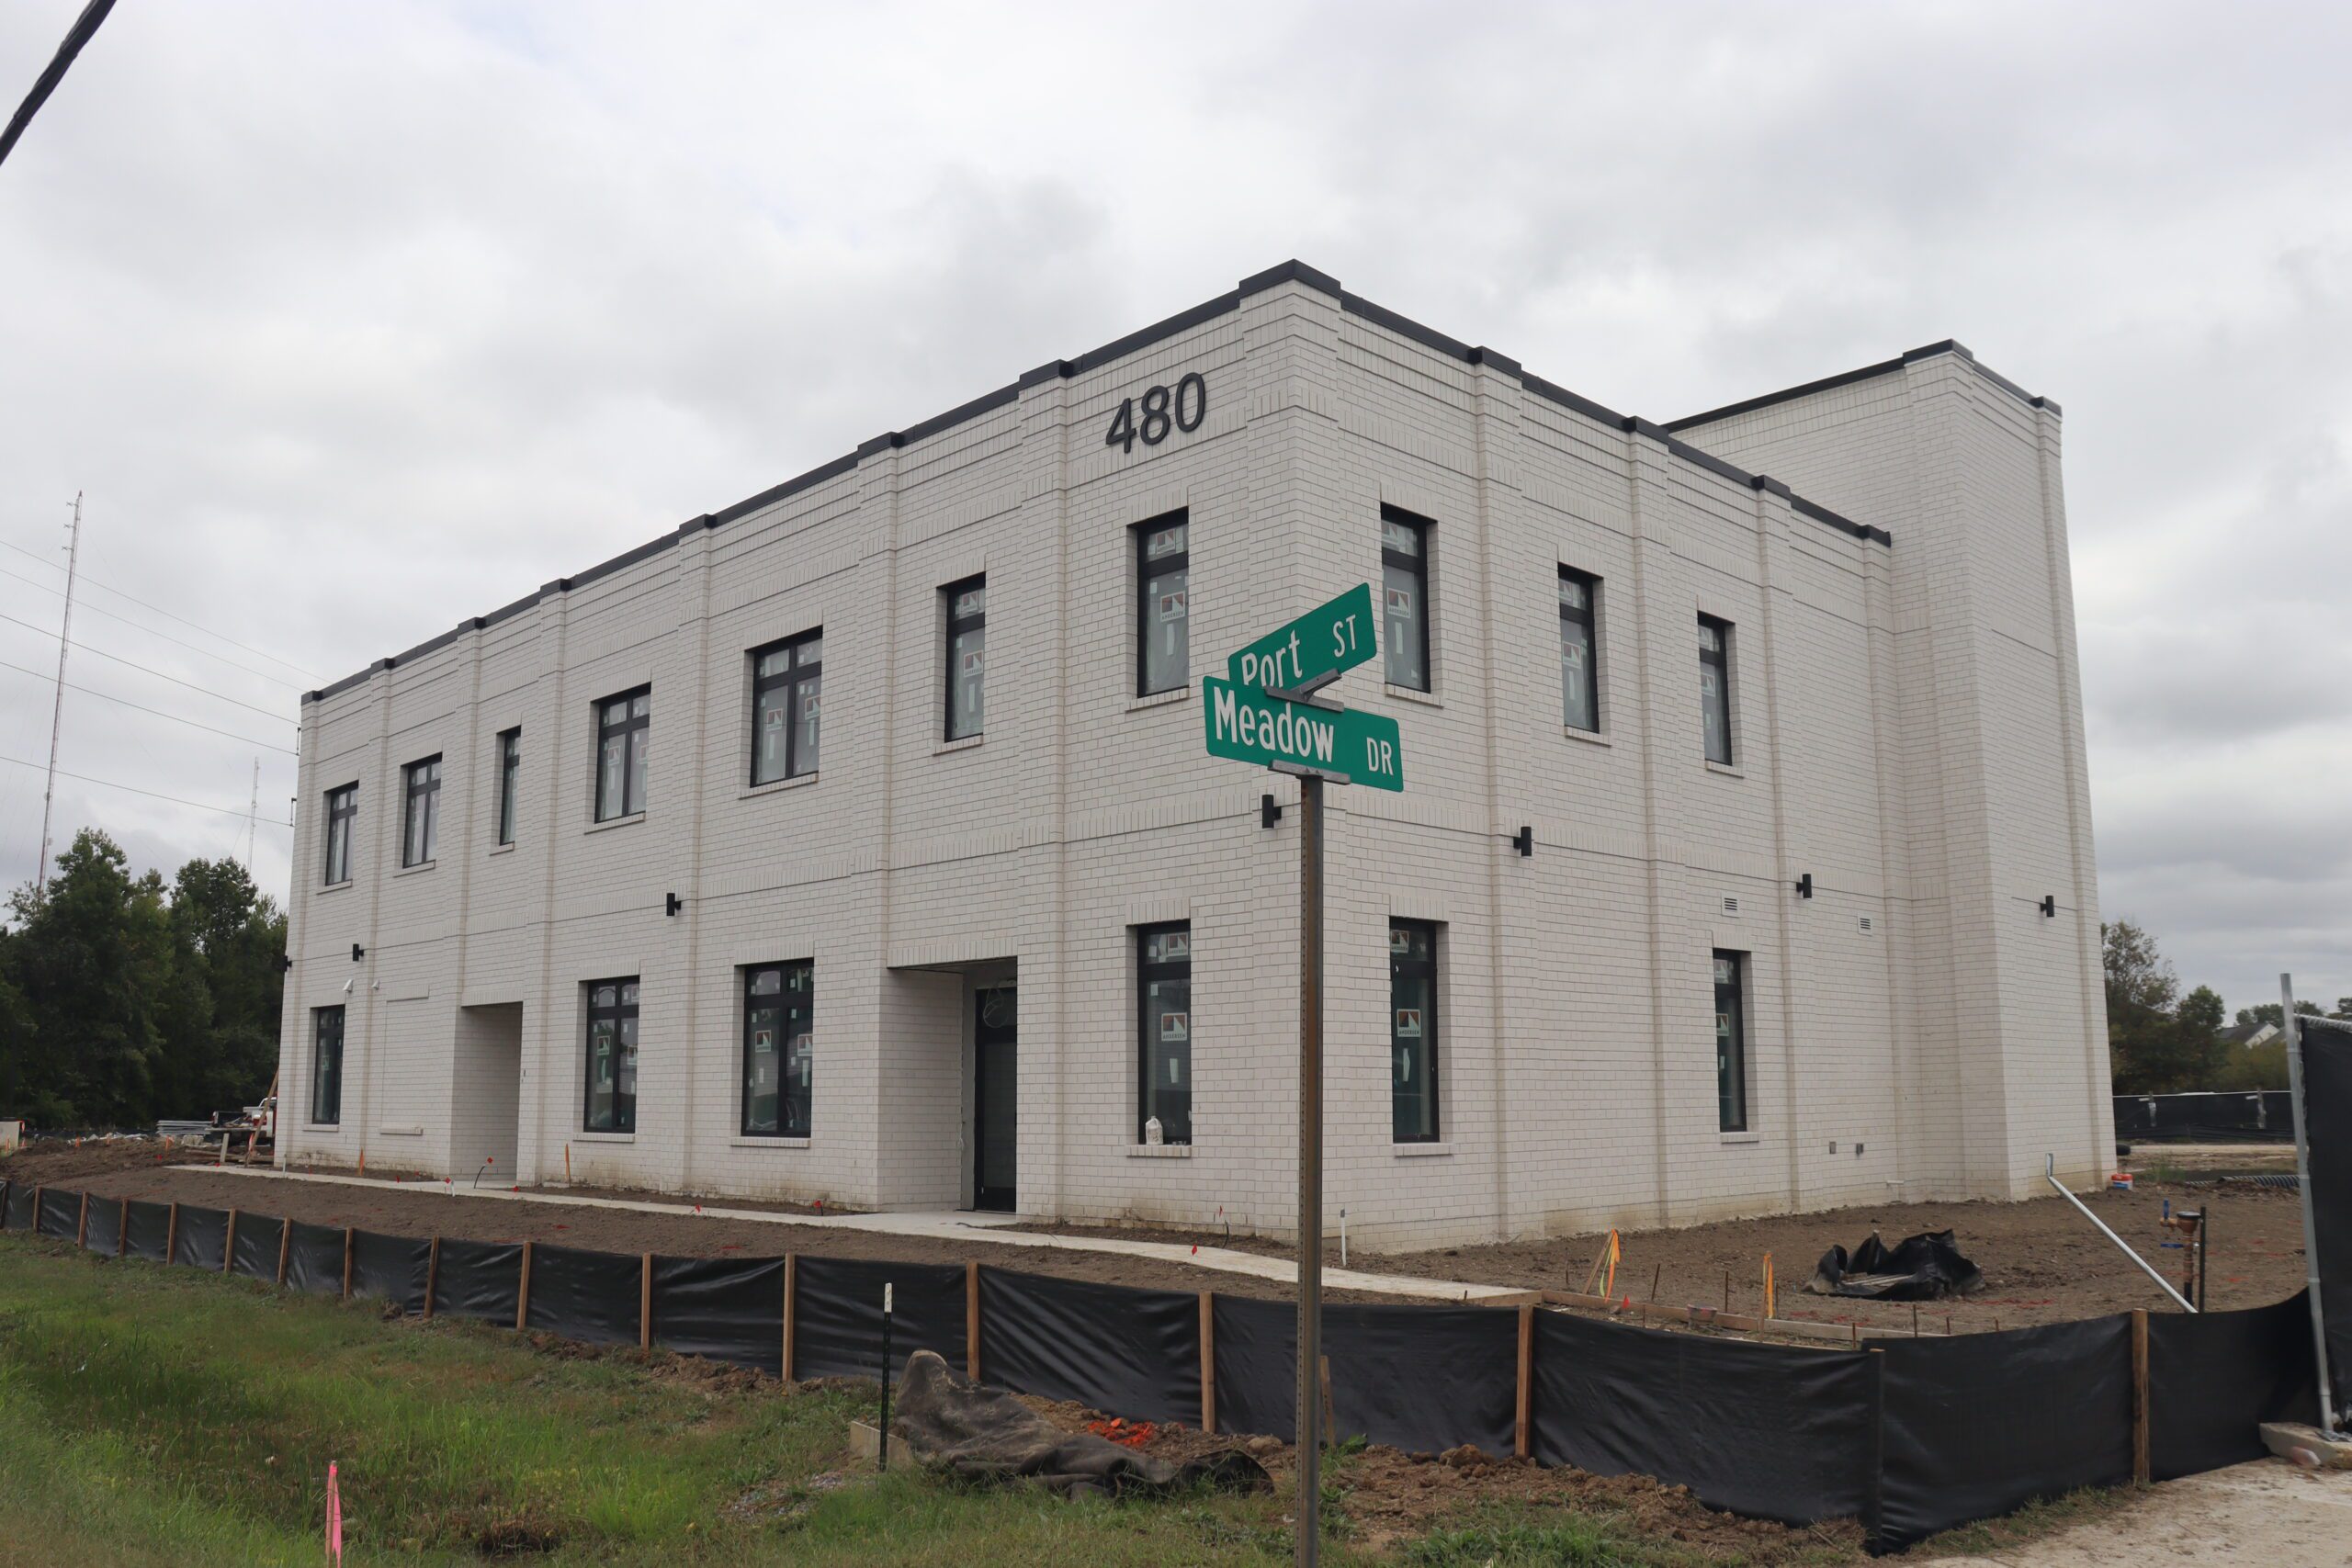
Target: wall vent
[1731,904]
[1866,922]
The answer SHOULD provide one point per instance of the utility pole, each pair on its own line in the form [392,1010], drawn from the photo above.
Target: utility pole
[252,818]
[57,713]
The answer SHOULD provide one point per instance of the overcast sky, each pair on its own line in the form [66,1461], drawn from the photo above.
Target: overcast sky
[355,319]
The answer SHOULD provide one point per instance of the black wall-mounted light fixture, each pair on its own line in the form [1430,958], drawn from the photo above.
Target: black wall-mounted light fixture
[1805,886]
[2050,905]
[285,962]
[672,904]
[1270,811]
[1524,842]
[357,953]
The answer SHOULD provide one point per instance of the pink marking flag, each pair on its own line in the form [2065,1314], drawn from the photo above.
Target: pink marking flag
[335,1516]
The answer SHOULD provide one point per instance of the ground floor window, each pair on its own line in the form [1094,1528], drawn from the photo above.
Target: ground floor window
[326,1065]
[1164,982]
[612,1057]
[1730,1041]
[778,1001]
[1412,1029]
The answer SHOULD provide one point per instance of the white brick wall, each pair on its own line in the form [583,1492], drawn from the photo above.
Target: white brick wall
[1908,731]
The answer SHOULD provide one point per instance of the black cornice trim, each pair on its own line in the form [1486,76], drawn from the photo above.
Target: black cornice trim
[1847,378]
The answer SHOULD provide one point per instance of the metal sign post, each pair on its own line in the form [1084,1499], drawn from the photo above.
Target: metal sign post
[1310,1166]
[2294,1032]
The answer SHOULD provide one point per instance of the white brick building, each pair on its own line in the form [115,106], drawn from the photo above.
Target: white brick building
[969,918]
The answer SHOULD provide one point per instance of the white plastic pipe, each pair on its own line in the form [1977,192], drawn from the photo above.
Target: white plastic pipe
[2050,1172]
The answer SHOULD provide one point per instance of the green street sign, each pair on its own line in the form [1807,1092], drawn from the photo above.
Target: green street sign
[1250,727]
[1313,650]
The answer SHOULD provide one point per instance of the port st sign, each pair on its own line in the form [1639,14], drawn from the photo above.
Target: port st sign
[1313,650]
[1339,743]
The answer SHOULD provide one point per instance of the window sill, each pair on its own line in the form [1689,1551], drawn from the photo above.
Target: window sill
[1409,694]
[1590,737]
[1160,1151]
[609,823]
[1725,769]
[420,867]
[776,786]
[1160,699]
[1731,1138]
[334,887]
[756,1142]
[400,1132]
[323,1127]
[502,848]
[604,1137]
[1420,1150]
[965,744]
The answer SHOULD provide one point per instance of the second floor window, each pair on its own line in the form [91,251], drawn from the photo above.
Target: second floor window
[421,821]
[779,1050]
[968,607]
[343,809]
[611,1105]
[510,782]
[621,723]
[786,697]
[1714,687]
[1580,688]
[1405,593]
[326,1066]
[1163,643]
[1164,984]
[1412,1031]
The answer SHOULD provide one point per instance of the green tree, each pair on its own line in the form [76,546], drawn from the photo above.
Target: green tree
[2143,1036]
[2273,1014]
[92,962]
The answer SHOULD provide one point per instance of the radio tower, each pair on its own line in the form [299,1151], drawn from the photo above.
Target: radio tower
[252,818]
[57,715]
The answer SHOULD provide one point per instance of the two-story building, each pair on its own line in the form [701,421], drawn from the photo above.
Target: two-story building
[858,841]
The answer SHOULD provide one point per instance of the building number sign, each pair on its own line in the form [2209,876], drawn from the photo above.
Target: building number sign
[1162,410]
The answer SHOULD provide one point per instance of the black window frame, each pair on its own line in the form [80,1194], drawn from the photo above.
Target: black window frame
[1149,571]
[636,733]
[1406,966]
[956,626]
[1589,618]
[1419,565]
[1717,659]
[1149,1091]
[1732,1067]
[622,1009]
[421,788]
[509,783]
[342,823]
[796,673]
[784,1053]
[323,1114]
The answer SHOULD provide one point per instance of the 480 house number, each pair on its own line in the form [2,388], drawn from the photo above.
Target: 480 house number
[1161,412]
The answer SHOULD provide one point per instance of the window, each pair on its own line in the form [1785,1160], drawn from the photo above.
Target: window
[778,1049]
[620,753]
[1731,1044]
[1715,686]
[612,1057]
[420,813]
[510,780]
[326,1065]
[1405,585]
[967,605]
[1163,644]
[1412,1029]
[1164,984]
[785,703]
[1579,686]
[342,807]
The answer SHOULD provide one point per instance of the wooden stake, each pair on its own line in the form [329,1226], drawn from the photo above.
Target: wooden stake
[1915,1320]
[1525,1405]
[791,1288]
[82,1223]
[2140,1471]
[347,1233]
[432,1276]
[1208,1364]
[972,1321]
[1330,1425]
[522,1291]
[285,1244]
[645,1305]
[172,1237]
[122,1229]
[1726,1290]
[229,1246]
[1654,1274]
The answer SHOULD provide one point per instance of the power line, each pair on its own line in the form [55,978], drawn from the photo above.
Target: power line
[150,631]
[175,680]
[237,812]
[159,713]
[85,27]
[157,609]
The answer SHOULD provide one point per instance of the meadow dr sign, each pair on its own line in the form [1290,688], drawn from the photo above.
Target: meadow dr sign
[1339,743]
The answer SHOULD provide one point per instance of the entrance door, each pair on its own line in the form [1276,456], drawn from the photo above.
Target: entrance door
[996,1105]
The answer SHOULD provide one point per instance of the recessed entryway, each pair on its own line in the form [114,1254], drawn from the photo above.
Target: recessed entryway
[996,1096]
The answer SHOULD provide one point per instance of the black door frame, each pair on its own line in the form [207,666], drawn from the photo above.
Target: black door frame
[986,1038]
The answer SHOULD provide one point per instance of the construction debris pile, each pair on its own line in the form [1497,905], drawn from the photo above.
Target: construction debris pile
[1923,1268]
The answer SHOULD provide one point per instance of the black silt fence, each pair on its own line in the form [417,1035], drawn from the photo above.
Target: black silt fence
[103,1231]
[253,1250]
[388,1269]
[593,1297]
[203,1238]
[1420,1379]
[149,1229]
[1135,1352]
[2327,1109]
[478,1280]
[2249,1117]
[2213,1377]
[60,1213]
[837,1314]
[314,1259]
[724,1309]
[22,1206]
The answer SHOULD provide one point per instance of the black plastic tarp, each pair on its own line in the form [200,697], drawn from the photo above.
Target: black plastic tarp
[1982,1424]
[1134,1353]
[589,1296]
[2213,1377]
[314,1259]
[19,1213]
[61,1213]
[478,1280]
[203,1238]
[389,1269]
[253,1250]
[726,1309]
[837,1317]
[1765,1431]
[151,1226]
[2327,1110]
[103,1230]
[1423,1379]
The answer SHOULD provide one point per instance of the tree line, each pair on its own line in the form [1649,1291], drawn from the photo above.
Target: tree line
[127,999]
[2160,1041]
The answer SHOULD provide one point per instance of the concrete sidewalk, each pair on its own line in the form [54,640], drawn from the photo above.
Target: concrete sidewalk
[2264,1511]
[954,1227]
